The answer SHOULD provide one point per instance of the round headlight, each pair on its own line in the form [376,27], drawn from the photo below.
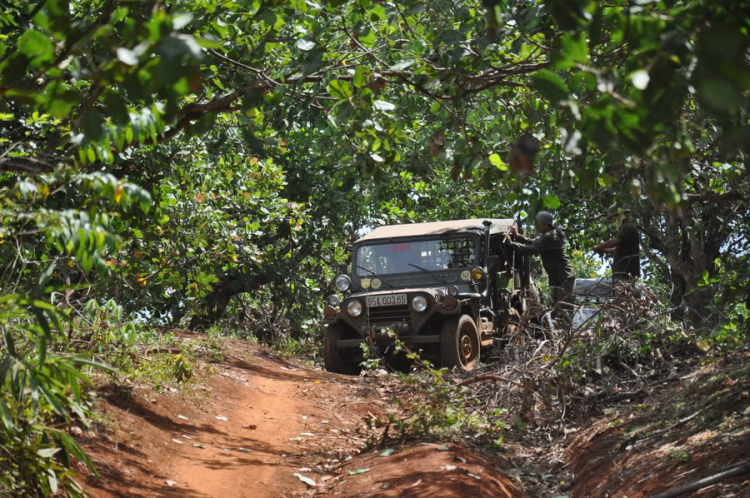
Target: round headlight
[477,273]
[342,283]
[453,291]
[419,303]
[354,308]
[333,300]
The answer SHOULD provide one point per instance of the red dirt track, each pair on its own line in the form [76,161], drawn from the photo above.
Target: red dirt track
[292,420]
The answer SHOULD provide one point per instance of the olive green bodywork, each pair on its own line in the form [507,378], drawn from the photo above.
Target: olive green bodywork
[462,315]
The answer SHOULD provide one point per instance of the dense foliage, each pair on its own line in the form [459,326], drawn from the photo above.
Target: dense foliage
[186,158]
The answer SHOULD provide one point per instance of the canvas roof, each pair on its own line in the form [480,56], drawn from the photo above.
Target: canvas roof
[435,228]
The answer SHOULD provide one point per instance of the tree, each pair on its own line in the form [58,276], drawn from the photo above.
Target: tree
[626,98]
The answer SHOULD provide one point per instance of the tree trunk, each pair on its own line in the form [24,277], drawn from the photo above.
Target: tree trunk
[689,244]
[237,282]
[216,303]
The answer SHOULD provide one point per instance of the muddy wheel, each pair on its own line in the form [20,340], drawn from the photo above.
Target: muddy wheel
[333,356]
[459,344]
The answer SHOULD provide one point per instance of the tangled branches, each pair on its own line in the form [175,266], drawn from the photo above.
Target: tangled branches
[612,350]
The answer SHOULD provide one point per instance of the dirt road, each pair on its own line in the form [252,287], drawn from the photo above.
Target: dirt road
[262,427]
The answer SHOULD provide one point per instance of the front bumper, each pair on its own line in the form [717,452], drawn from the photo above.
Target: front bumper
[384,324]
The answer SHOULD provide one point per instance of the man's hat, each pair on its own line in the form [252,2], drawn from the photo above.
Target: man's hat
[544,217]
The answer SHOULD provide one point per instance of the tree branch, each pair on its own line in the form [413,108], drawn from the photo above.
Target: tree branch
[707,481]
[715,197]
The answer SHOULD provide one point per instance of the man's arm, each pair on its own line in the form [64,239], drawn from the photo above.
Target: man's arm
[514,236]
[538,246]
[609,246]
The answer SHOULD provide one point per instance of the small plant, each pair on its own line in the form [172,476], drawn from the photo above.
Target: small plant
[162,369]
[441,409]
[680,456]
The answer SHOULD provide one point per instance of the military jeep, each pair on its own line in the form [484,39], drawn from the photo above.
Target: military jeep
[445,288]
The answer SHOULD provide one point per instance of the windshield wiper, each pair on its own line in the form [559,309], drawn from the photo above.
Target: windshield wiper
[386,282]
[366,269]
[428,272]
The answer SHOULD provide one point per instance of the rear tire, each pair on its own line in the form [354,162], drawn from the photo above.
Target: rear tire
[459,344]
[333,358]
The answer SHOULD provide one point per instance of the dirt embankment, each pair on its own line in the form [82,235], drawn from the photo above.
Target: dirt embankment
[263,427]
[685,436]
[258,426]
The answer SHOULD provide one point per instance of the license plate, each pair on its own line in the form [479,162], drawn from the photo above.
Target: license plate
[390,300]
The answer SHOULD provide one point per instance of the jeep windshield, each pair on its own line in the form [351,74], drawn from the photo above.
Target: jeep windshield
[388,258]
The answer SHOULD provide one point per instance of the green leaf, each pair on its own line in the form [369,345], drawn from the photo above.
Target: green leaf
[36,47]
[377,13]
[704,281]
[368,38]
[9,342]
[359,79]
[6,417]
[116,108]
[42,350]
[387,452]
[60,99]
[47,452]
[340,89]
[401,65]
[382,105]
[550,85]
[37,303]
[358,471]
[52,479]
[306,480]
[72,447]
[720,94]
[305,44]
[574,49]
[92,124]
[498,162]
[209,42]
[127,56]
[314,61]
[551,201]
[179,21]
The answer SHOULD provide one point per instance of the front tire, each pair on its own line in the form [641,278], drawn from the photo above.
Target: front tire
[459,344]
[333,358]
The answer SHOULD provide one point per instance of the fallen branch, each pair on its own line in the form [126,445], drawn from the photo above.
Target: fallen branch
[635,439]
[494,377]
[383,438]
[706,481]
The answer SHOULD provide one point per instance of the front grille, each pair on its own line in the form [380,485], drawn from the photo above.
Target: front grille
[423,279]
[390,314]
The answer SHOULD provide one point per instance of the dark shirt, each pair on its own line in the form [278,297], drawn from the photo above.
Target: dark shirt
[550,247]
[627,257]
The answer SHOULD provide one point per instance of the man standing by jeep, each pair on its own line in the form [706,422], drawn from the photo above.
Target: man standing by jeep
[549,246]
[626,246]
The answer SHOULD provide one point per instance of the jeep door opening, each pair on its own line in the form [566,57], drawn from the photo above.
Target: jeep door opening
[447,288]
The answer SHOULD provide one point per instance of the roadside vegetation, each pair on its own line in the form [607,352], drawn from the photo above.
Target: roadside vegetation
[206,166]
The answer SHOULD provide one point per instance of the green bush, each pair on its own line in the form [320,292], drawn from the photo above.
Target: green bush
[41,394]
